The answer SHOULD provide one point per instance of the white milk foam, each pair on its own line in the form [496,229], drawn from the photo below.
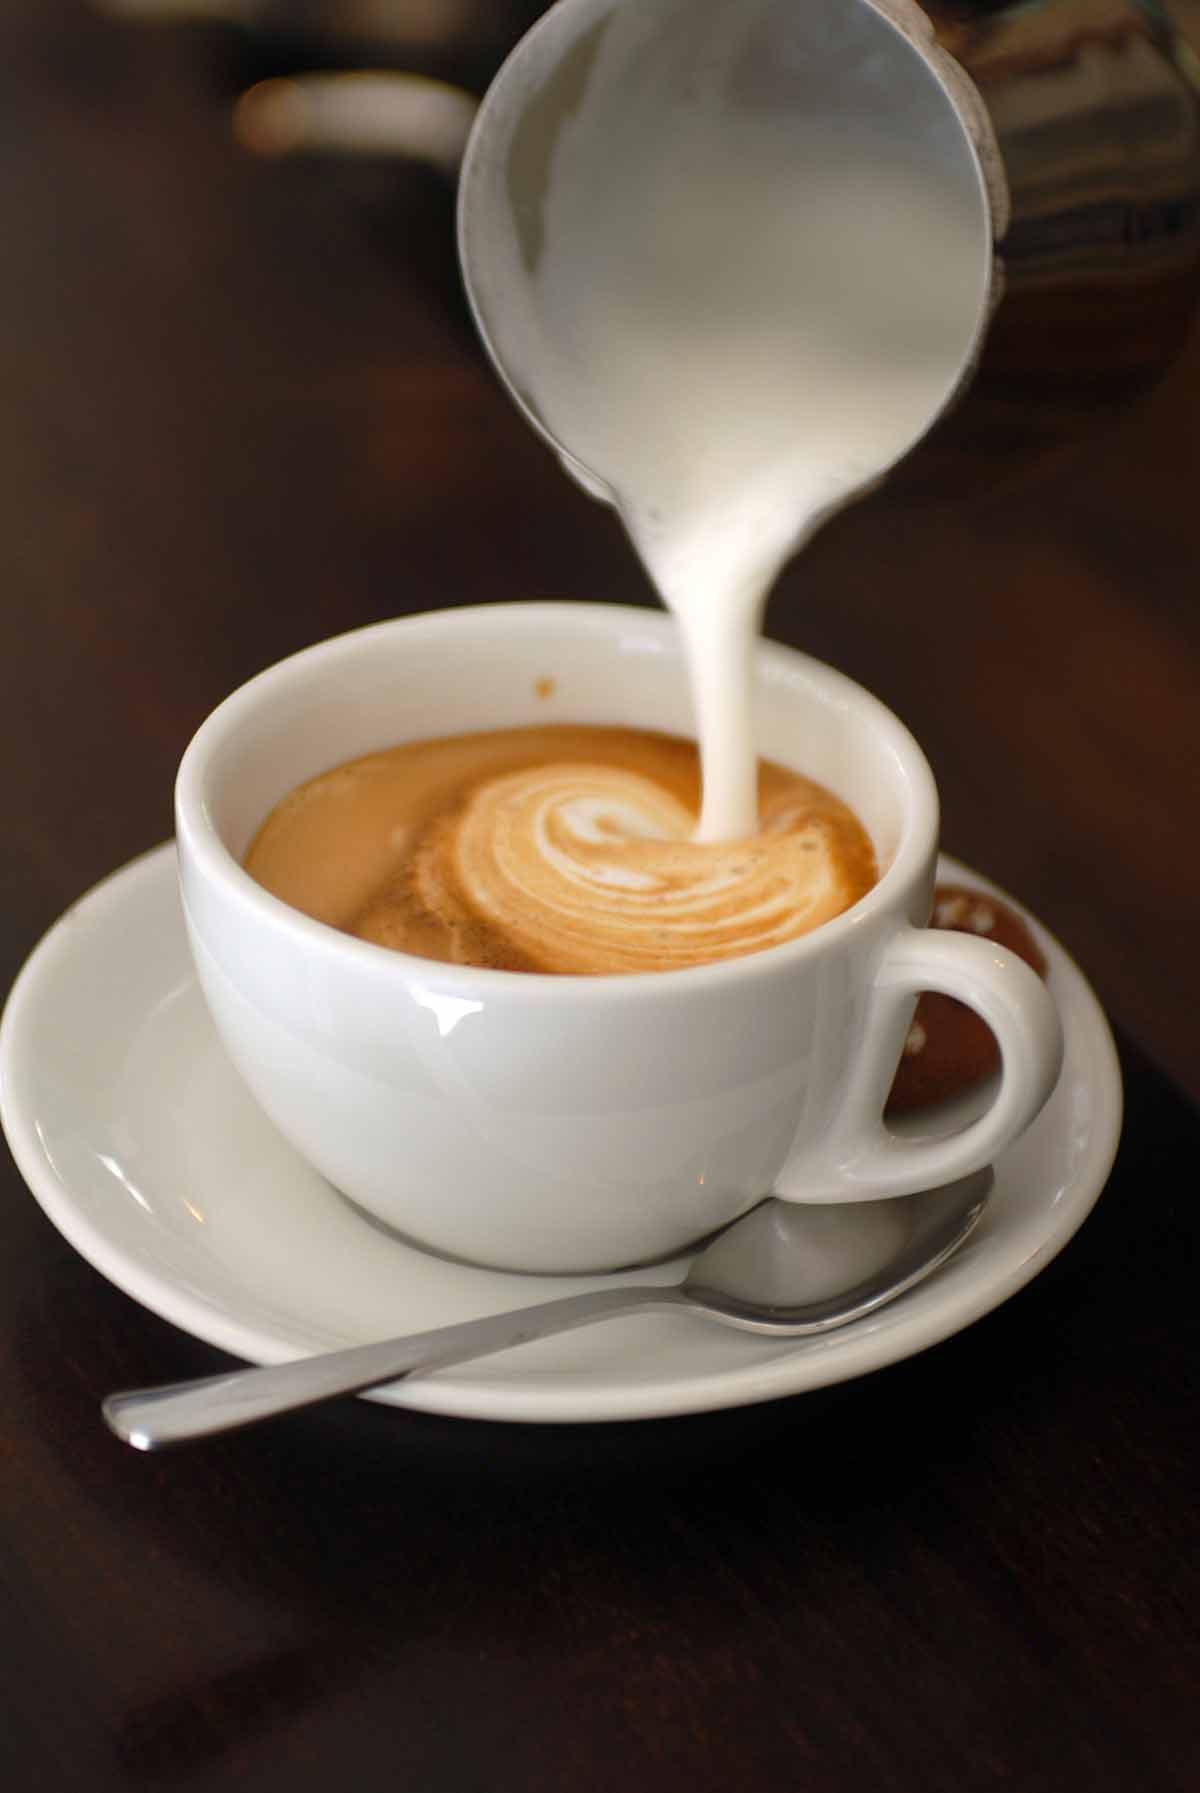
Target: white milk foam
[754,314]
[591,868]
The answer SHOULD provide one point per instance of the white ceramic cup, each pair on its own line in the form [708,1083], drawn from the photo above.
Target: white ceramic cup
[568,1123]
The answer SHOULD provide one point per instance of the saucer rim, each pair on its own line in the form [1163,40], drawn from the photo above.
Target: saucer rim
[899,1332]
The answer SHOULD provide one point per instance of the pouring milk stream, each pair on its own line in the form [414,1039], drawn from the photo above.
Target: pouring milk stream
[732,257]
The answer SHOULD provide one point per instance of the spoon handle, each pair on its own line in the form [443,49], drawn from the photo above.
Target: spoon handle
[149,1418]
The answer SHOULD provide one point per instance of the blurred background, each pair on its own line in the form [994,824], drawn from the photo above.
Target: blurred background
[244,408]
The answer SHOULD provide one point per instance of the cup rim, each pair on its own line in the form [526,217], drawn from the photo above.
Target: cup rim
[201,845]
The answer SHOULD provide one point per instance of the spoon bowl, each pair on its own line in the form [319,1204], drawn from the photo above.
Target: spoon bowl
[784,1269]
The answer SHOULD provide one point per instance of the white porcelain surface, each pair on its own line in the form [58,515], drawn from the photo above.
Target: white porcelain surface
[145,1150]
[448,1100]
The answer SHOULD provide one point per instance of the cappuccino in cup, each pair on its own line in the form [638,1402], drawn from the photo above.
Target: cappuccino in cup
[545,1122]
[558,848]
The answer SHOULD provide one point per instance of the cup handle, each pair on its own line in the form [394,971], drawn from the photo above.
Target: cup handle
[862,1160]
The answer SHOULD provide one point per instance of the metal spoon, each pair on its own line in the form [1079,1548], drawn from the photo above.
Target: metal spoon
[784,1269]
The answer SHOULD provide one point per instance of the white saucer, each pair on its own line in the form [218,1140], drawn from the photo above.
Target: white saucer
[144,1149]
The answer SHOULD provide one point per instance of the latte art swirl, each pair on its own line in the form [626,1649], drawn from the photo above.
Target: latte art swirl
[587,869]
[507,850]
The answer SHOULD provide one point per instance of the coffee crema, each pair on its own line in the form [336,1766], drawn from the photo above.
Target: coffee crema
[560,848]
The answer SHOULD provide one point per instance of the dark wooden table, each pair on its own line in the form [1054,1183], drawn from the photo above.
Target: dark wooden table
[240,409]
